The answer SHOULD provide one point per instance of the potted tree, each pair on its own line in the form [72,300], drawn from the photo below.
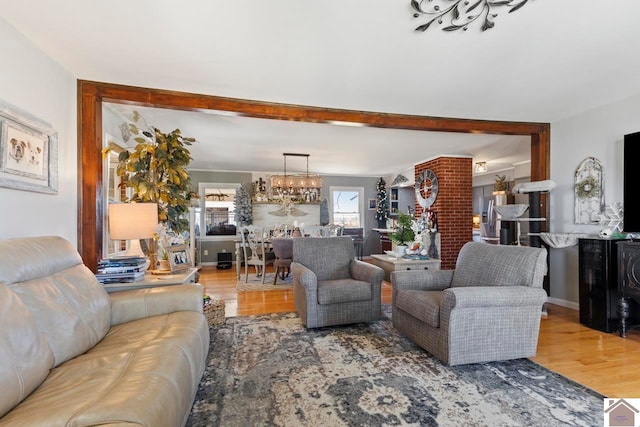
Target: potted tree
[404,233]
[156,170]
[382,203]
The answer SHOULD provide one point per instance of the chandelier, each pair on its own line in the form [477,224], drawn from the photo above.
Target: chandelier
[306,186]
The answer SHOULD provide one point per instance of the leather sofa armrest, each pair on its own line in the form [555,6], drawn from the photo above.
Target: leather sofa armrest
[421,280]
[304,276]
[366,272]
[140,303]
[492,296]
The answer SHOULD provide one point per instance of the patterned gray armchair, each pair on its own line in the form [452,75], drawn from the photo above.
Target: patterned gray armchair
[487,309]
[331,287]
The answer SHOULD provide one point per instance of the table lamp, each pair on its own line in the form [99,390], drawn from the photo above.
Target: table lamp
[133,221]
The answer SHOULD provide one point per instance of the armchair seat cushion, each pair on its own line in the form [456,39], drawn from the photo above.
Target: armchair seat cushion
[343,290]
[423,305]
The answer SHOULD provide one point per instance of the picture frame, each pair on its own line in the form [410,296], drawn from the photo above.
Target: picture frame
[372,204]
[28,152]
[179,257]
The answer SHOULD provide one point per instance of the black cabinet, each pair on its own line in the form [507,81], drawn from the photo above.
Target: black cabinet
[628,285]
[598,287]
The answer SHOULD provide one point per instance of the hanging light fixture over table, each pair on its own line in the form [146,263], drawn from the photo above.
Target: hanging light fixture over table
[307,186]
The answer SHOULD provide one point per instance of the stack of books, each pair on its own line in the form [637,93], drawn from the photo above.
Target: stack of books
[122,269]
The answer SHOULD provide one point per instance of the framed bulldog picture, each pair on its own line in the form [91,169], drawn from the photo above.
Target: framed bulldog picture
[28,152]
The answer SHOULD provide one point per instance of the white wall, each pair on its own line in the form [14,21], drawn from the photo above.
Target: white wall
[35,83]
[596,133]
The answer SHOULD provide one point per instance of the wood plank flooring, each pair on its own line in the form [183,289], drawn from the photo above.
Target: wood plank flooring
[603,362]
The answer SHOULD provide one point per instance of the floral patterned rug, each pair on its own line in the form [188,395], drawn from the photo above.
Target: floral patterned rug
[270,371]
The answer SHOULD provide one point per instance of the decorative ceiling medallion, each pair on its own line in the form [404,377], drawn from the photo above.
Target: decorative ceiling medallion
[461,13]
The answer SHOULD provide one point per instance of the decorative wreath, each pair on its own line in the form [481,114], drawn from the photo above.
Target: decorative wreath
[587,188]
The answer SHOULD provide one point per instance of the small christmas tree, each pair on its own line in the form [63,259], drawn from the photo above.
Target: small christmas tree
[382,202]
[244,209]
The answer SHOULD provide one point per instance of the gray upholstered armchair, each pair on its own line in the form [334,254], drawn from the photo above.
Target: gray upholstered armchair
[331,287]
[487,309]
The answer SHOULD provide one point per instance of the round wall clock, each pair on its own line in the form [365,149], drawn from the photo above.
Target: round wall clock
[426,188]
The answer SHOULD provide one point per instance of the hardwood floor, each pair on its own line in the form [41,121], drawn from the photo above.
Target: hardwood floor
[603,362]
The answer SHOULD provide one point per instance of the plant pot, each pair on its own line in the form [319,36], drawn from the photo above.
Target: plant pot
[401,250]
[163,265]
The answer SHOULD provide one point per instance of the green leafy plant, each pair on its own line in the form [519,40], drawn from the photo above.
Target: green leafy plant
[501,183]
[156,170]
[404,233]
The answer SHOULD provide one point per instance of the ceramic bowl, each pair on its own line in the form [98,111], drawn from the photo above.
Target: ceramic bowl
[561,240]
[511,211]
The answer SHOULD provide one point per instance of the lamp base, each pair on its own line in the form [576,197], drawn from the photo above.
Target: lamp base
[134,248]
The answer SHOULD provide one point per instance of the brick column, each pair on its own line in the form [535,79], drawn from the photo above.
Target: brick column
[453,205]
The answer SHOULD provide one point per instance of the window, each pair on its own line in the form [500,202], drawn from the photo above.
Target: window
[347,206]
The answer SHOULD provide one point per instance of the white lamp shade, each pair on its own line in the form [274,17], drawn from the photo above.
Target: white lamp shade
[128,221]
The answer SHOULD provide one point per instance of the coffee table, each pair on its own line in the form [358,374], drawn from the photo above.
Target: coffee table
[389,264]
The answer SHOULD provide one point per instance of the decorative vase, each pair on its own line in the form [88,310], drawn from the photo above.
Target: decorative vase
[433,248]
[382,223]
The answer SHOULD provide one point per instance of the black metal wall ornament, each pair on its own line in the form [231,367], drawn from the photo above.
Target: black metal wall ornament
[461,13]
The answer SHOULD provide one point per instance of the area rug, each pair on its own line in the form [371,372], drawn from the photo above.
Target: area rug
[255,283]
[270,371]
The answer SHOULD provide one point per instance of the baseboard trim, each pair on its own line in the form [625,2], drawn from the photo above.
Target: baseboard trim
[563,303]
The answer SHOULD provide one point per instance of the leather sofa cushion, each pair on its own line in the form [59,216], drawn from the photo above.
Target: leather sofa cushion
[423,305]
[344,290]
[25,356]
[35,257]
[71,308]
[144,372]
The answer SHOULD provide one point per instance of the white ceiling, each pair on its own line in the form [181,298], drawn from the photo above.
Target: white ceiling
[547,61]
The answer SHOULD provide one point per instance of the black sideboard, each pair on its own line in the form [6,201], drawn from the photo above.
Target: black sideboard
[598,283]
[628,308]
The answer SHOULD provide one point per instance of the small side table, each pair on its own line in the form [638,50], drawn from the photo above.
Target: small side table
[389,264]
[153,281]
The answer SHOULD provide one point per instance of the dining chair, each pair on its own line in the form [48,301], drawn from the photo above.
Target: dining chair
[255,254]
[312,231]
[283,250]
[333,230]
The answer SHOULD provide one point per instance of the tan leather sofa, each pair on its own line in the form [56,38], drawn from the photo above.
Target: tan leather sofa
[73,355]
